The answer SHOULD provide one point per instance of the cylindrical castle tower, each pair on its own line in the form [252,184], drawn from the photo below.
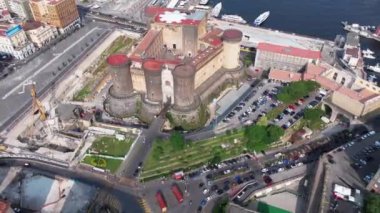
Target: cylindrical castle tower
[122,86]
[152,72]
[183,77]
[231,42]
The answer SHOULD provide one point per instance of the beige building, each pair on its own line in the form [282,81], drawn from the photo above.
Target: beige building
[4,5]
[62,14]
[38,33]
[178,62]
[13,40]
[348,92]
[273,56]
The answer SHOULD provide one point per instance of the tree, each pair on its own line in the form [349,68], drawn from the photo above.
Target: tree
[296,90]
[247,60]
[275,133]
[216,158]
[372,204]
[220,206]
[177,141]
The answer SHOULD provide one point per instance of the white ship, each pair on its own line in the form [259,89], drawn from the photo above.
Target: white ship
[374,68]
[369,56]
[203,2]
[262,17]
[216,10]
[234,18]
[368,51]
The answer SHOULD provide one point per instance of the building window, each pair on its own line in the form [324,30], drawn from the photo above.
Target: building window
[335,76]
[343,81]
[174,46]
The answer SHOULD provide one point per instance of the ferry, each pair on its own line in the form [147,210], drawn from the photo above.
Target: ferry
[375,68]
[261,18]
[216,10]
[203,2]
[370,32]
[372,78]
[234,18]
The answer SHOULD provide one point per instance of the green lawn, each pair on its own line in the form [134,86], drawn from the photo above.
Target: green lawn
[110,164]
[195,154]
[111,146]
[83,93]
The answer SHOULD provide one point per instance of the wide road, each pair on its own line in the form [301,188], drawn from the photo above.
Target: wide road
[141,147]
[125,194]
[45,70]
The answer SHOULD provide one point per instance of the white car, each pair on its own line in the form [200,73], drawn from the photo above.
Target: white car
[205,191]
[208,198]
[371,132]
[280,169]
[264,170]
[240,195]
[299,164]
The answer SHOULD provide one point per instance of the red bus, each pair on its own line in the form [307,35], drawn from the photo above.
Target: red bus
[177,193]
[161,201]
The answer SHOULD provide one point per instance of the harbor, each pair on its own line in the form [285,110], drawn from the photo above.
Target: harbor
[370,32]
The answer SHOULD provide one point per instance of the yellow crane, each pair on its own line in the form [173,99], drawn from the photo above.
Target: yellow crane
[37,105]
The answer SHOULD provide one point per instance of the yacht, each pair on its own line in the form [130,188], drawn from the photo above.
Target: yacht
[369,56]
[375,68]
[262,17]
[368,51]
[216,10]
[234,18]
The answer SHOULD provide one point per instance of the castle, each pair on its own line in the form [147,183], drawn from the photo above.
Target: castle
[179,62]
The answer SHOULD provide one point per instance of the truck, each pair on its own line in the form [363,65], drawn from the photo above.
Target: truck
[177,193]
[161,201]
[178,175]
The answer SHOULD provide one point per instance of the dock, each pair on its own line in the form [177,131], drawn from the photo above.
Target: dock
[361,31]
[254,35]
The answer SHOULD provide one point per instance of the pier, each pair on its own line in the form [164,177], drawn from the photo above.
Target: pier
[254,35]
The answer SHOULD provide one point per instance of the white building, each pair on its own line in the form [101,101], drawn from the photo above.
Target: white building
[13,41]
[4,5]
[38,33]
[21,8]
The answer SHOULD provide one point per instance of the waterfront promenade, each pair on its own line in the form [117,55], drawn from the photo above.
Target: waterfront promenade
[254,35]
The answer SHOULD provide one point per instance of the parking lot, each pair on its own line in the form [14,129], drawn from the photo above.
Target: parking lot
[263,99]
[358,161]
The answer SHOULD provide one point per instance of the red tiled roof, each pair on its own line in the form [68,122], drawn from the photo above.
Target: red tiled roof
[154,10]
[213,37]
[285,76]
[2,33]
[362,95]
[311,54]
[315,69]
[327,83]
[354,52]
[152,65]
[146,42]
[204,55]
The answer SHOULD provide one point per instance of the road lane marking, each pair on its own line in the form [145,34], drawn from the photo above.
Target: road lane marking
[47,64]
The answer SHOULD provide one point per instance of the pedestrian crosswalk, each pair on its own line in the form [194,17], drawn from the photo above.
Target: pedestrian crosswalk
[145,206]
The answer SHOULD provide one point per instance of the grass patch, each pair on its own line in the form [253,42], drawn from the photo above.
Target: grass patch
[82,94]
[103,163]
[111,146]
[194,154]
[266,208]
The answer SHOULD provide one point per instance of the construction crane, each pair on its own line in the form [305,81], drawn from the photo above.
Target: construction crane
[37,105]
